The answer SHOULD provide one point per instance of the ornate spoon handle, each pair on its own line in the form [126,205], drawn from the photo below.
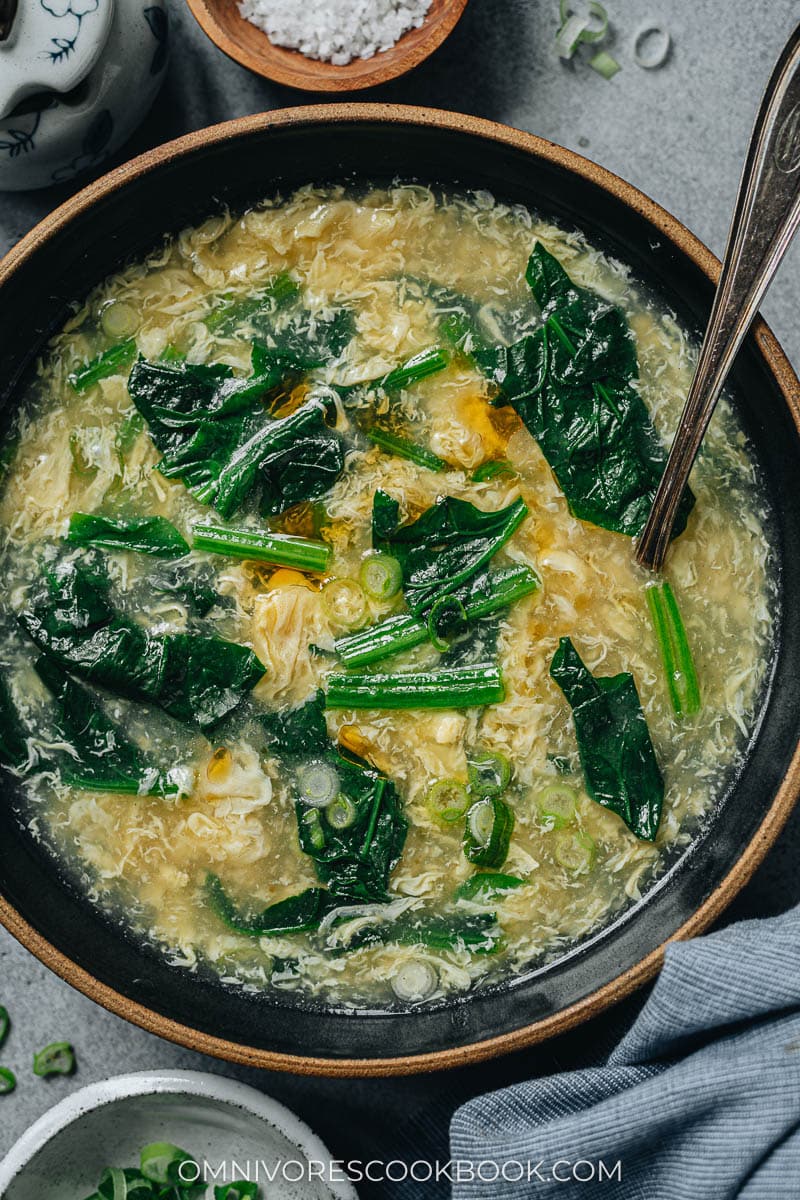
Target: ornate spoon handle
[764,222]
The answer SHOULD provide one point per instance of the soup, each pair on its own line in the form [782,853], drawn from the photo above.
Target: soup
[329,668]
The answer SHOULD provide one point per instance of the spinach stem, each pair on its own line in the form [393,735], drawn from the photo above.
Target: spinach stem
[110,362]
[402,632]
[284,550]
[453,687]
[673,645]
[402,447]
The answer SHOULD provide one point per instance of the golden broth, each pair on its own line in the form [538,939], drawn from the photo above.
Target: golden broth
[148,856]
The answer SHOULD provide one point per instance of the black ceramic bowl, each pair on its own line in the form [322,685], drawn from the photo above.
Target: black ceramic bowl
[125,214]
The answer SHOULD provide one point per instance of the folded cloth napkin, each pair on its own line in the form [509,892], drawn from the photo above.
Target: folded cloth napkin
[699,1101]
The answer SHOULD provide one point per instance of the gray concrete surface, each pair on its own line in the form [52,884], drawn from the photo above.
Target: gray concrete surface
[679,134]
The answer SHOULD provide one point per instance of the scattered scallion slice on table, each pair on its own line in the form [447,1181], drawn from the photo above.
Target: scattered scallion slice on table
[487,834]
[605,64]
[673,645]
[576,27]
[8,1081]
[56,1059]
[283,549]
[454,687]
[659,41]
[110,362]
[5,1024]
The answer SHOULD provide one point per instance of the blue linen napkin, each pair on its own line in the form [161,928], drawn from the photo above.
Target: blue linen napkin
[699,1101]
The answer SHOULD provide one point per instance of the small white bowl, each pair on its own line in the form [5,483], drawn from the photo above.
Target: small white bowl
[216,1120]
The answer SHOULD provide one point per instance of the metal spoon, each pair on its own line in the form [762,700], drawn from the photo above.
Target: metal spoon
[765,220]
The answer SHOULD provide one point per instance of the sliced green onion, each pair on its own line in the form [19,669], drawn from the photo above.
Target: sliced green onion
[570,35]
[419,366]
[110,362]
[575,852]
[241,1190]
[345,603]
[658,38]
[161,1162]
[673,645]
[454,687]
[404,631]
[402,447]
[557,805]
[119,320]
[283,549]
[604,64]
[490,470]
[8,1081]
[5,1024]
[414,981]
[447,801]
[487,832]
[317,783]
[56,1059]
[444,605]
[381,576]
[489,773]
[341,813]
[313,824]
[594,33]
[487,886]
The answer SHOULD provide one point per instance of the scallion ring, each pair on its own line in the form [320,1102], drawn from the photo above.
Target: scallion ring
[344,602]
[341,812]
[605,64]
[317,783]
[570,36]
[450,605]
[489,773]
[119,320]
[8,1081]
[557,805]
[447,801]
[56,1059]
[660,42]
[594,33]
[381,576]
[575,852]
[414,981]
[5,1024]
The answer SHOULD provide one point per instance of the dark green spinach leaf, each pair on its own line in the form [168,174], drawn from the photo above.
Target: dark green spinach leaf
[149,535]
[572,384]
[294,914]
[445,547]
[617,755]
[197,680]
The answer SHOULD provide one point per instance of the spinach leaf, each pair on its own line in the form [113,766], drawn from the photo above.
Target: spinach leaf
[231,312]
[193,584]
[354,862]
[572,383]
[215,435]
[294,914]
[478,933]
[617,755]
[149,535]
[197,680]
[445,547]
[307,339]
[100,757]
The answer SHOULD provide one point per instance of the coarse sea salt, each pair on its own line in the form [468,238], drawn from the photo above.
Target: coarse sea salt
[336,31]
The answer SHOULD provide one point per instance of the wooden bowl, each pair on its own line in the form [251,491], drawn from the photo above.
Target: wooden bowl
[124,216]
[246,44]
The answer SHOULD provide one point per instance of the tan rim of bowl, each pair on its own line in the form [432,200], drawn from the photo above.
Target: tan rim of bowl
[774,820]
